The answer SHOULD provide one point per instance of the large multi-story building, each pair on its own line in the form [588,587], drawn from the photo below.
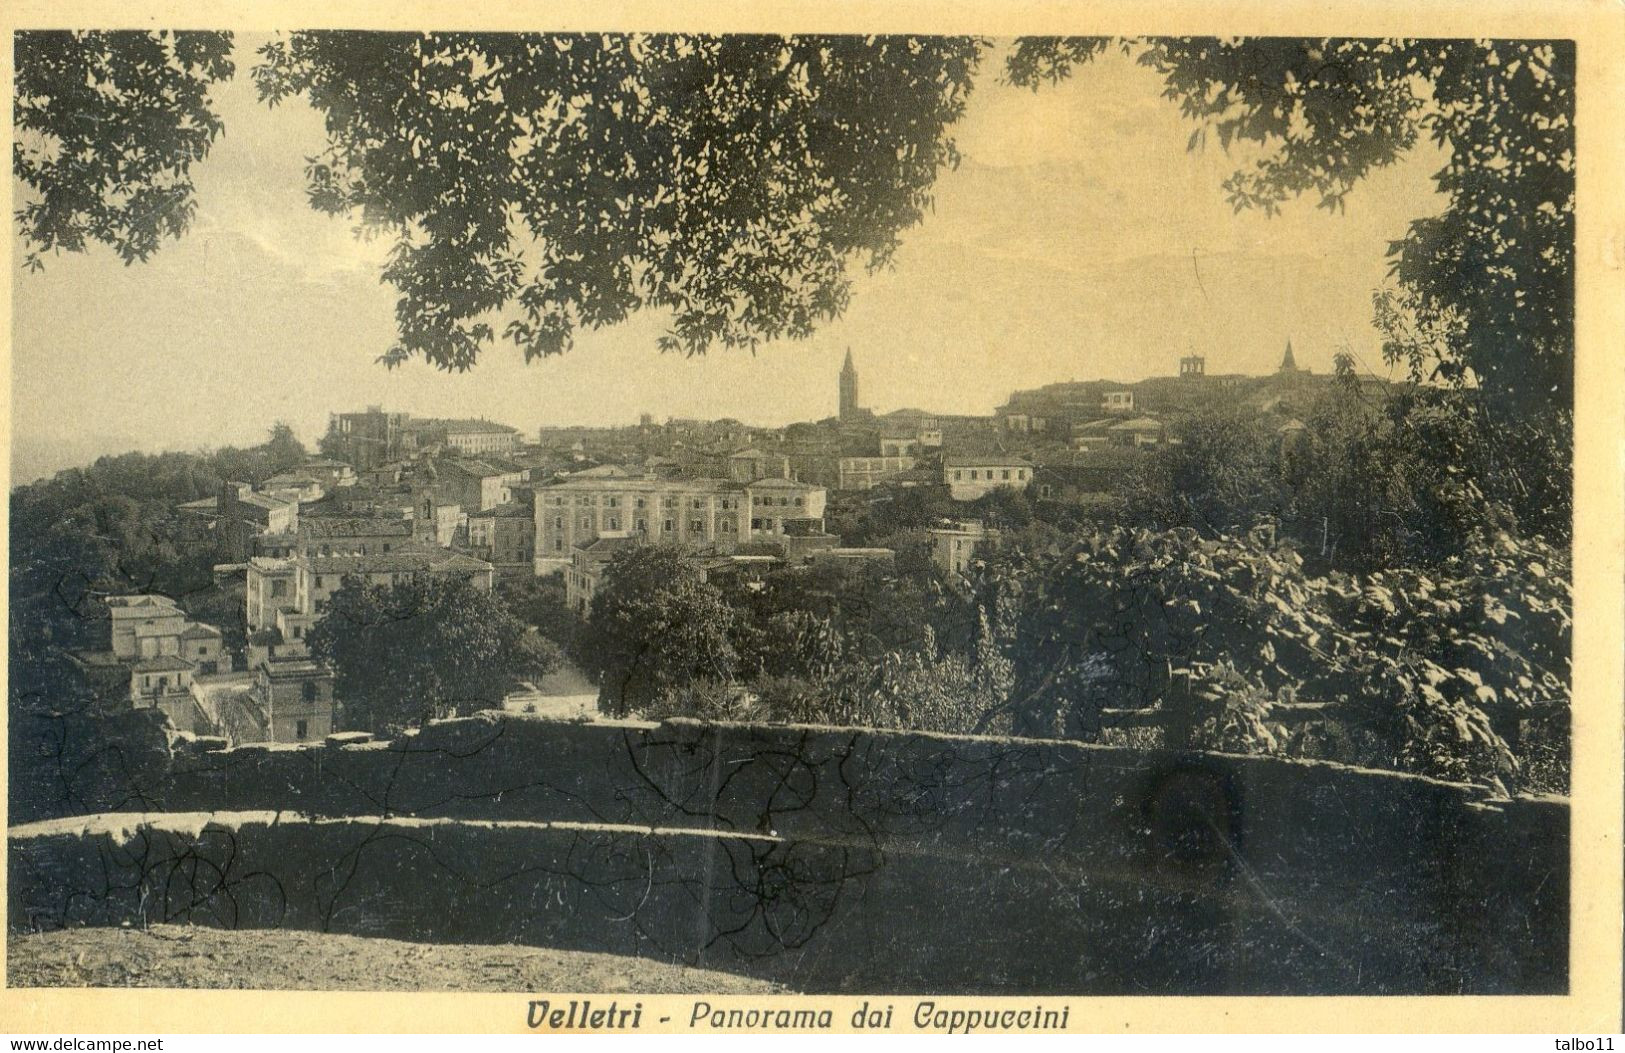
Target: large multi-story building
[705,513]
[476,437]
[972,476]
[338,535]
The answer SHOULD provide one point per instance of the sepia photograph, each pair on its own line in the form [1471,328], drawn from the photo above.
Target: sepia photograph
[792,514]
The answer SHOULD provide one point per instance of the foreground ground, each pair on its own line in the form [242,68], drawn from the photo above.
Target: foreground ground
[182,956]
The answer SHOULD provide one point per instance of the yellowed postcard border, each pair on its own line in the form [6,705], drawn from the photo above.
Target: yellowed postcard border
[1594,1003]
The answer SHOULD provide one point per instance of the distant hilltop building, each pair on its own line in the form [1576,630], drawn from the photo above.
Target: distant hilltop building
[849,389]
[1092,414]
[374,438]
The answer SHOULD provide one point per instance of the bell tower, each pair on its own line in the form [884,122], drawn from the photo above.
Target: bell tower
[849,388]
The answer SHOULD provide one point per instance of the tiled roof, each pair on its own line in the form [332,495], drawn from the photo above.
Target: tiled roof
[264,501]
[780,484]
[577,484]
[162,663]
[406,561]
[460,426]
[279,668]
[1110,457]
[477,469]
[354,526]
[606,545]
[511,510]
[995,459]
[143,601]
[199,631]
[459,561]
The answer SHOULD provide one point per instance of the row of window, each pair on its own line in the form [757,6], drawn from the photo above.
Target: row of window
[353,550]
[641,526]
[613,524]
[990,474]
[727,504]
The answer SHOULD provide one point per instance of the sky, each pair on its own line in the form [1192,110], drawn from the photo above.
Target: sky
[1078,239]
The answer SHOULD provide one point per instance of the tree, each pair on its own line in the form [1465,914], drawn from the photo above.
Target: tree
[1431,670]
[867,610]
[1483,296]
[582,177]
[541,602]
[108,126]
[1221,475]
[1493,275]
[1003,508]
[283,449]
[730,179]
[424,648]
[655,627]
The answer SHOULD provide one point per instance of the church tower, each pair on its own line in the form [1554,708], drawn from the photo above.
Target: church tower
[849,388]
[1288,363]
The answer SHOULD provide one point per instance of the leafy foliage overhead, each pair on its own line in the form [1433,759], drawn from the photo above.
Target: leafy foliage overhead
[108,126]
[566,181]
[726,180]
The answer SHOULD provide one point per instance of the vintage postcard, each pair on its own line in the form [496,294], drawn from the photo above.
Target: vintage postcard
[779,519]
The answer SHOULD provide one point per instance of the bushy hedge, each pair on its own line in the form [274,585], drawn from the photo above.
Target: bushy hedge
[1428,670]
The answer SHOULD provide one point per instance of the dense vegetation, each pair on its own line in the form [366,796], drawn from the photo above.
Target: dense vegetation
[1379,589]
[1458,670]
[113,528]
[424,648]
[88,533]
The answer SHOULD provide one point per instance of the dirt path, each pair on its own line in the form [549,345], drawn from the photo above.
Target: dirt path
[564,694]
[280,959]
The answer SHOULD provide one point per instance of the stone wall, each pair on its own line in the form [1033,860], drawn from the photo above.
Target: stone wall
[840,859]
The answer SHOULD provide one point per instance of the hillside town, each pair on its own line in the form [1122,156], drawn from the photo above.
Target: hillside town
[393,498]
